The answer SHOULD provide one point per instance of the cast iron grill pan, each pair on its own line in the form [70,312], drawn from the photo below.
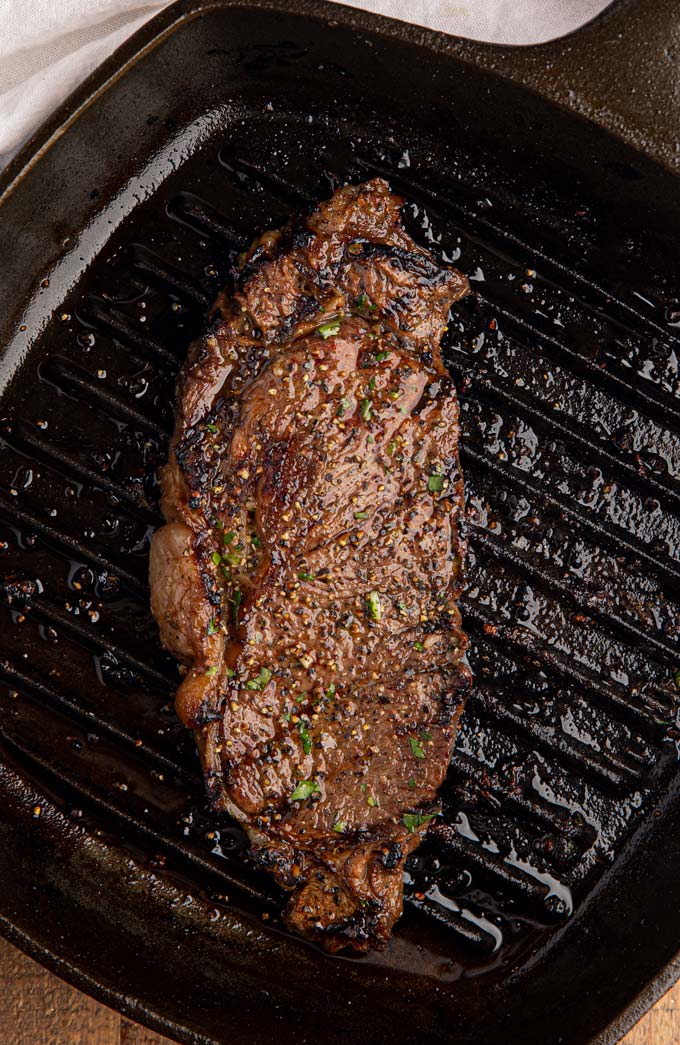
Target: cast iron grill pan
[568,378]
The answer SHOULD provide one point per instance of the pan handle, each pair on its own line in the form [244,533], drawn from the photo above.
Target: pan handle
[621,70]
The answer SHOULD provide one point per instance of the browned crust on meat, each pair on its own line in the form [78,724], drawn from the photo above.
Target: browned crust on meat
[308,573]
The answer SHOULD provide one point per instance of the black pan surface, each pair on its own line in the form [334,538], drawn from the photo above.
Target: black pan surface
[544,906]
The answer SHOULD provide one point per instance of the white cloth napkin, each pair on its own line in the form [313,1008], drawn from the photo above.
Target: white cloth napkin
[48,46]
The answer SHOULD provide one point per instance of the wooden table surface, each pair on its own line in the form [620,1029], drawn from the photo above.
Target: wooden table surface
[37,1008]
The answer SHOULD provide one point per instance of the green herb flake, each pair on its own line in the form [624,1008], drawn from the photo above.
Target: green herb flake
[371,384]
[362,301]
[392,446]
[330,692]
[211,428]
[416,747]
[228,537]
[304,576]
[230,673]
[261,680]
[373,605]
[305,738]
[411,784]
[305,789]
[236,600]
[329,329]
[343,408]
[255,541]
[362,788]
[415,820]
[425,734]
[365,409]
[213,627]
[216,558]
[339,826]
[435,483]
[212,671]
[380,356]
[233,558]
[419,646]
[371,801]
[361,515]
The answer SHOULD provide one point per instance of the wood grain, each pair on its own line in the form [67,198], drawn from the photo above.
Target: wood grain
[38,1008]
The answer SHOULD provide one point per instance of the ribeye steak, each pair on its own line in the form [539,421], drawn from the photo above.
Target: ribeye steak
[308,572]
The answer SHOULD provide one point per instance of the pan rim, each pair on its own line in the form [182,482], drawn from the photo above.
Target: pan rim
[180,12]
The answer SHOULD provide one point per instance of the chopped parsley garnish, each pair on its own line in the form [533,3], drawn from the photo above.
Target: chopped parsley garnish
[213,626]
[343,408]
[236,600]
[435,483]
[233,558]
[381,355]
[212,671]
[261,680]
[304,576]
[305,789]
[361,515]
[329,329]
[415,820]
[230,673]
[305,738]
[373,605]
[419,646]
[371,801]
[362,301]
[411,783]
[425,734]
[339,826]
[371,384]
[365,408]
[392,446]
[255,541]
[330,692]
[211,428]
[216,558]
[228,537]
[416,747]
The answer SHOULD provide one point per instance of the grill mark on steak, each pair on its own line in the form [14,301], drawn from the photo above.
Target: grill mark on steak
[308,572]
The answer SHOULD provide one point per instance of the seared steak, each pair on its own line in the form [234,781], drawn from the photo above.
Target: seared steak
[308,573]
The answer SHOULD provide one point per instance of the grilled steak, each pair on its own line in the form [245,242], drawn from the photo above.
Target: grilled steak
[308,573]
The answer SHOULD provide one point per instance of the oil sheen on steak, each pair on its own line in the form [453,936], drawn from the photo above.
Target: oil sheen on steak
[308,573]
